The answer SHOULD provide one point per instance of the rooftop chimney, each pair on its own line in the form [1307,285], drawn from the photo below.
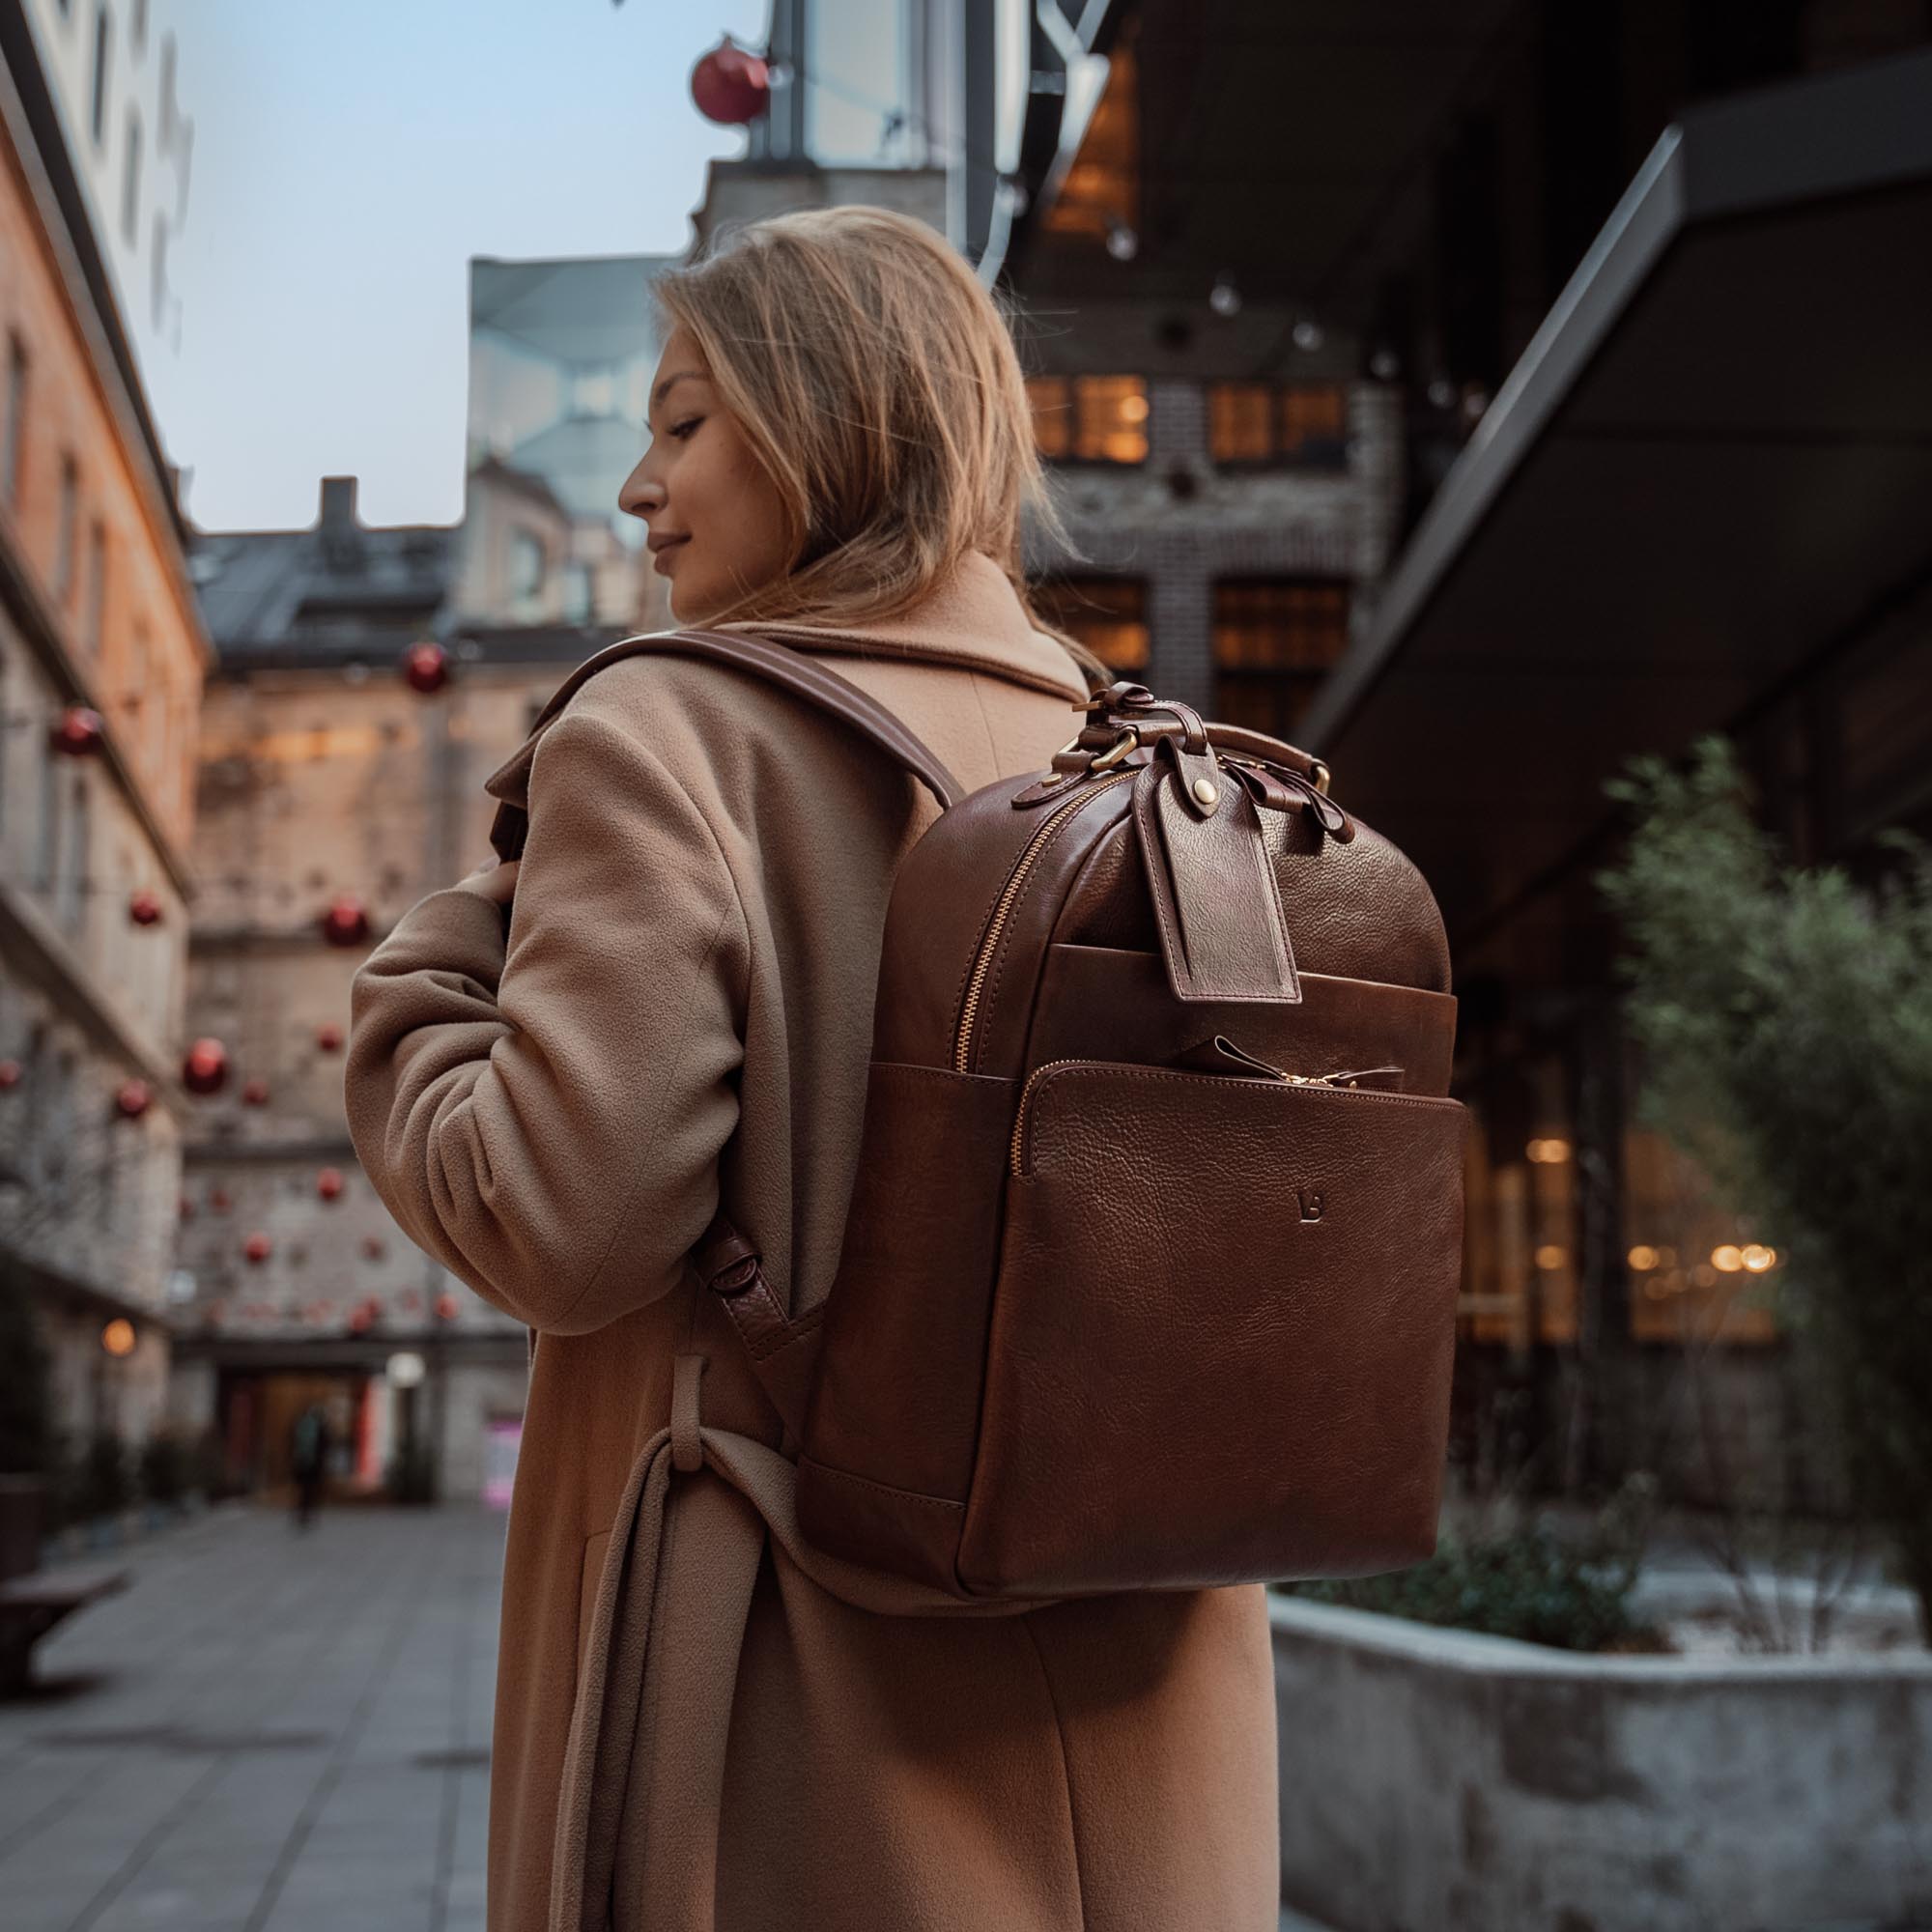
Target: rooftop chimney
[338,503]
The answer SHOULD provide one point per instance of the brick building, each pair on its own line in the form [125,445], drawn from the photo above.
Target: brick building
[101,656]
[330,785]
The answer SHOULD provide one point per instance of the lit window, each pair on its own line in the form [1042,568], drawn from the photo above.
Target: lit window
[1108,614]
[1100,196]
[1259,422]
[1090,418]
[1274,643]
[1110,417]
[1052,400]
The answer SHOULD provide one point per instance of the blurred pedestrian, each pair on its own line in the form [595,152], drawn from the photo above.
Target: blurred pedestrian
[701,1719]
[308,1461]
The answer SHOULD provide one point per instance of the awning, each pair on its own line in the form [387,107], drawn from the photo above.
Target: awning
[1712,464]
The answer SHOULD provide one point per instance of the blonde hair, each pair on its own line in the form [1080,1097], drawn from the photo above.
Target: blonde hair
[876,381]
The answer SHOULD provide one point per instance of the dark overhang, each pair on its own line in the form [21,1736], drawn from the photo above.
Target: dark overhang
[1711,467]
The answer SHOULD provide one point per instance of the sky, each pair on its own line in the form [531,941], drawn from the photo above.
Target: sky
[349,156]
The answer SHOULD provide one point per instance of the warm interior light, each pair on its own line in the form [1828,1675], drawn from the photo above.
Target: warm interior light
[1643,1259]
[118,1337]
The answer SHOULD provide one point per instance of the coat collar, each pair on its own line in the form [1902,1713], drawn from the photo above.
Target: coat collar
[971,619]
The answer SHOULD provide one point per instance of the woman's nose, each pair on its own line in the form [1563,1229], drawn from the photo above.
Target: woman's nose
[640,496]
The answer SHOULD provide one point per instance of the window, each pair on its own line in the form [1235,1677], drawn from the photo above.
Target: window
[1274,642]
[131,182]
[527,564]
[103,31]
[1108,614]
[1101,197]
[65,530]
[157,272]
[1090,418]
[96,623]
[1520,1229]
[13,431]
[1696,1272]
[70,887]
[1262,422]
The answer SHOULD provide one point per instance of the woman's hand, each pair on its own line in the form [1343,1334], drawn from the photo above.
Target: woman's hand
[495,879]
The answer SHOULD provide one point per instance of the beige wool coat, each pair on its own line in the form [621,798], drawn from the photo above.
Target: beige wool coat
[701,1721]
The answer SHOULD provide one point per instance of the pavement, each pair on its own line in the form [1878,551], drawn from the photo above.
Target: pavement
[268,1731]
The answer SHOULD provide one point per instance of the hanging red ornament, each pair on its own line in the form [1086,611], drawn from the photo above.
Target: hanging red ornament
[131,1098]
[78,732]
[328,1037]
[219,1201]
[445,1307]
[204,1068]
[359,1320]
[328,1183]
[144,907]
[374,1246]
[346,923]
[426,666]
[9,1074]
[731,85]
[258,1247]
[255,1093]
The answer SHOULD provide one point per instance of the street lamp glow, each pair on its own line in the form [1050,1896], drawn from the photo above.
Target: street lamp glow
[404,1369]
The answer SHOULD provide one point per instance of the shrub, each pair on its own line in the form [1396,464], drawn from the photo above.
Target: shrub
[1527,1582]
[1785,1017]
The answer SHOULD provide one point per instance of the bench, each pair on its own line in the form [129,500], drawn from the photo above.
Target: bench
[30,1606]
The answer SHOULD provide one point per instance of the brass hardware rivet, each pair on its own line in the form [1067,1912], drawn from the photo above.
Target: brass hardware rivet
[1204,790]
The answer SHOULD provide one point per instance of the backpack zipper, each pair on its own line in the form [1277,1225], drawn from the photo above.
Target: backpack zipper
[1342,1083]
[996,925]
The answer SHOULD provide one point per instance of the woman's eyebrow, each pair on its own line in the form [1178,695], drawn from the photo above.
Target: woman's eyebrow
[678,376]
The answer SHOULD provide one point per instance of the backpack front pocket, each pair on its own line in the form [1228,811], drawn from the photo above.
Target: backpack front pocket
[1221,1336]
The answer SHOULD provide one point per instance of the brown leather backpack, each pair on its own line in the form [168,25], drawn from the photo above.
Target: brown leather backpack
[1151,1268]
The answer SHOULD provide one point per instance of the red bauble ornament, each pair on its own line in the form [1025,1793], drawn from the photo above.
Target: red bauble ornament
[374,1246]
[426,666]
[328,1037]
[445,1307]
[255,1093]
[204,1067]
[258,1247]
[9,1074]
[144,907]
[731,86]
[218,1199]
[328,1183]
[78,732]
[131,1098]
[346,923]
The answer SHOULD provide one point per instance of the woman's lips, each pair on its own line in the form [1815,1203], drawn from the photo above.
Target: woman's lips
[658,559]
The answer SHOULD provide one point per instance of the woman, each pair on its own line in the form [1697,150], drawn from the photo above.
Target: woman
[700,1720]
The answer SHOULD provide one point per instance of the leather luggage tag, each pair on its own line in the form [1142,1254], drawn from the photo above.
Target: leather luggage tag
[1216,899]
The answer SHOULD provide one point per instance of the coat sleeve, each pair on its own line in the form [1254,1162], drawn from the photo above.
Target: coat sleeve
[543,1110]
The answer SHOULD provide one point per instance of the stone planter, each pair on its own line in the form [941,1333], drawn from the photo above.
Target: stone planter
[1438,1781]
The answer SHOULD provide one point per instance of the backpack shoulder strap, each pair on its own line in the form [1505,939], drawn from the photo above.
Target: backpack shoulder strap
[791,671]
